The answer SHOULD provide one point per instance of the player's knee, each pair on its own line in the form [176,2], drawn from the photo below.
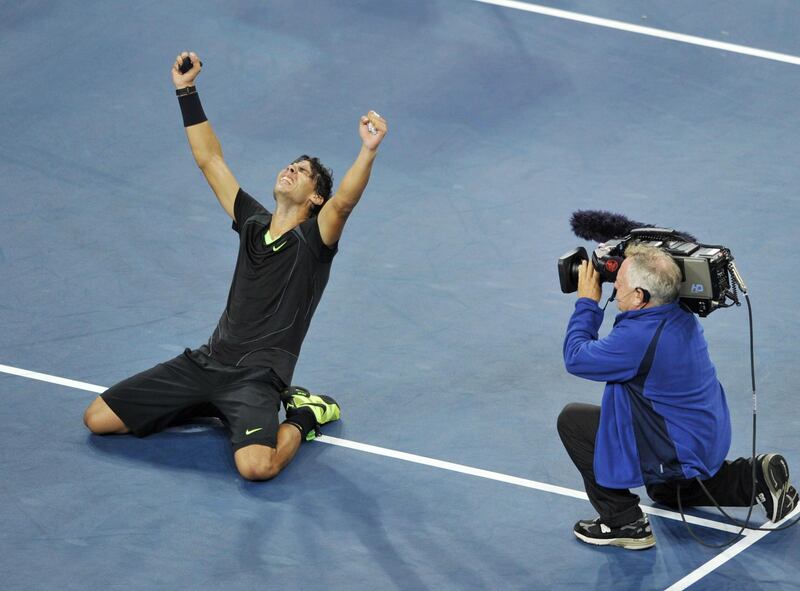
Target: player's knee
[256,465]
[95,423]
[100,419]
[92,420]
[257,470]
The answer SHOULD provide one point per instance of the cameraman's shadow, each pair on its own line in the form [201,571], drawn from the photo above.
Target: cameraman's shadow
[625,569]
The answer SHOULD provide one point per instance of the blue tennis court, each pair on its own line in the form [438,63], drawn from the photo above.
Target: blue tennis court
[441,327]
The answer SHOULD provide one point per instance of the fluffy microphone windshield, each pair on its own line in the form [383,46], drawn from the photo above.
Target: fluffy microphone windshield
[601,226]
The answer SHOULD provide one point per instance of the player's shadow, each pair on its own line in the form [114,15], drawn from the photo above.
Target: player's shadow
[325,503]
[327,494]
[201,447]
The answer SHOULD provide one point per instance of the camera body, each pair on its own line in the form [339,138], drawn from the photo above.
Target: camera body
[706,269]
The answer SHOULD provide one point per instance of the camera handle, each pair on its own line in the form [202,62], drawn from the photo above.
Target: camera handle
[735,283]
[737,277]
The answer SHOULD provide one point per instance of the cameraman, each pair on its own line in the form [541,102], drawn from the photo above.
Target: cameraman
[663,419]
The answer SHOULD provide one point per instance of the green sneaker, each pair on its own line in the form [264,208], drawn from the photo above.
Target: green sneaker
[324,408]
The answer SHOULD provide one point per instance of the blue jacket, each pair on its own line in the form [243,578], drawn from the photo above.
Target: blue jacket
[663,415]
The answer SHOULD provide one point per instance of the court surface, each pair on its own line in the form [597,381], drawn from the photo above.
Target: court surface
[440,330]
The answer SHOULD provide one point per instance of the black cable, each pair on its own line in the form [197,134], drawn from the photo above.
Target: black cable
[746,524]
[733,539]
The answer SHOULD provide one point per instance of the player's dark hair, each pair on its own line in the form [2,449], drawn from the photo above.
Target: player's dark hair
[323,179]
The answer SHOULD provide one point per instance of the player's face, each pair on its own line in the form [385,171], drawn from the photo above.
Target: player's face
[296,182]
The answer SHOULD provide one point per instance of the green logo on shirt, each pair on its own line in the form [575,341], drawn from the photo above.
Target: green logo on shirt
[277,248]
[251,431]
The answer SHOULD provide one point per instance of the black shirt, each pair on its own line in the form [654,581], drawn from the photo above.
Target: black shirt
[275,289]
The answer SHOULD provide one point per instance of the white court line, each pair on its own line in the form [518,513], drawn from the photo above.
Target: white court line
[43,377]
[499,477]
[648,31]
[407,457]
[723,557]
[750,537]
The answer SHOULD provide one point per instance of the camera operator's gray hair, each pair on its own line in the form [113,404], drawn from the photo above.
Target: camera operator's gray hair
[654,270]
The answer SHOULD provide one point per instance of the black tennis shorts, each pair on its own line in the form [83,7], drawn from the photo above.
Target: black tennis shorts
[247,399]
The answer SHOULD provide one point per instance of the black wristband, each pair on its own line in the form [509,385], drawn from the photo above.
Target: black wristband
[191,109]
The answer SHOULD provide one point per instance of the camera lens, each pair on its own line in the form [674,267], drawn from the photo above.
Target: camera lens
[568,265]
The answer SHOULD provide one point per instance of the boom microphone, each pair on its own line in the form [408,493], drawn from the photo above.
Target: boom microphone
[601,226]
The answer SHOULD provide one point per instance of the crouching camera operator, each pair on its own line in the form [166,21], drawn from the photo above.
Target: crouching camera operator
[663,420]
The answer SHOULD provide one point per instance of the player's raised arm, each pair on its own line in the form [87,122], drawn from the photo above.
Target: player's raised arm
[332,217]
[203,141]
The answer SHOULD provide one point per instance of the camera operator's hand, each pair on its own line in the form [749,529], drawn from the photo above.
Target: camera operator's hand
[589,282]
